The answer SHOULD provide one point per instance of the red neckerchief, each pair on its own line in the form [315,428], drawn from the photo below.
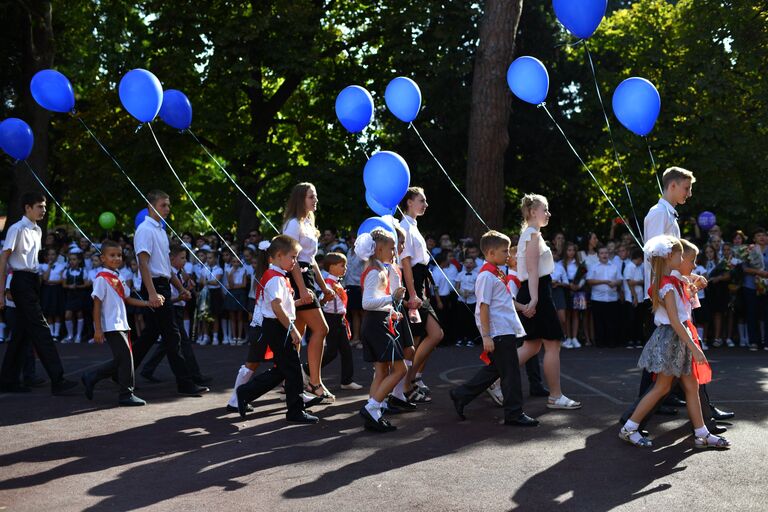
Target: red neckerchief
[370,268]
[266,278]
[456,264]
[514,279]
[117,285]
[341,293]
[702,372]
[496,271]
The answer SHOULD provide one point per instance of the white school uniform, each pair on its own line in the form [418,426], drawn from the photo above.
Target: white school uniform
[277,288]
[465,282]
[546,260]
[604,292]
[442,284]
[23,239]
[126,274]
[213,276]
[252,288]
[91,276]
[415,246]
[113,314]
[375,296]
[661,220]
[559,275]
[702,272]
[151,238]
[335,306]
[238,276]
[305,233]
[491,290]
[633,272]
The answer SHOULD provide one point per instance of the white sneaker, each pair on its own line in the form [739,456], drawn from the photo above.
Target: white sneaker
[352,386]
[563,403]
[66,340]
[575,343]
[226,341]
[91,341]
[77,339]
[729,343]
[494,390]
[566,343]
[215,341]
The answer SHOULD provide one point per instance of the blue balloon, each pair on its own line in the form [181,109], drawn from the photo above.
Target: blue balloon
[374,205]
[387,177]
[372,223]
[637,103]
[176,110]
[142,215]
[707,220]
[528,79]
[16,138]
[141,94]
[354,108]
[403,98]
[580,17]
[52,91]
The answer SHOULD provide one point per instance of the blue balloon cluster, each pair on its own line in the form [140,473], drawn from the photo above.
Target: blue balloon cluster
[176,110]
[354,108]
[16,138]
[386,177]
[580,17]
[372,223]
[636,104]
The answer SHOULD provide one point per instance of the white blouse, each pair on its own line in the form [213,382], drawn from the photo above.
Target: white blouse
[415,246]
[305,233]
[684,308]
[546,261]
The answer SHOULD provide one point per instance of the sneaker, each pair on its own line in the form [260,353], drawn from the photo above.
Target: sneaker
[352,386]
[77,339]
[460,343]
[753,348]
[91,341]
[494,390]
[630,345]
[562,403]
[202,341]
[215,341]
[717,343]
[66,340]
[566,343]
[575,343]
[729,343]
[470,343]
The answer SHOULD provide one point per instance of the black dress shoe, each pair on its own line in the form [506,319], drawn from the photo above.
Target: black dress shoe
[390,410]
[720,415]
[457,404]
[539,391]
[151,378]
[62,386]
[202,380]
[88,384]
[393,401]
[382,425]
[522,421]
[193,390]
[673,401]
[14,388]
[231,408]
[717,429]
[303,418]
[131,401]
[665,410]
[315,400]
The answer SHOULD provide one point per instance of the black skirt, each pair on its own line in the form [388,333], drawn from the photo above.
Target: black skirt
[424,285]
[544,324]
[354,298]
[379,344]
[76,300]
[52,299]
[308,275]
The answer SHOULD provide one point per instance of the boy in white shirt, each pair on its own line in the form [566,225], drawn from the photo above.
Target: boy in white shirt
[465,285]
[110,294]
[633,298]
[446,297]
[605,279]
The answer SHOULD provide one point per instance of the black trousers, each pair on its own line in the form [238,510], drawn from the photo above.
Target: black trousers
[162,322]
[185,346]
[337,343]
[465,325]
[637,316]
[121,363]
[287,366]
[30,329]
[447,320]
[605,315]
[504,365]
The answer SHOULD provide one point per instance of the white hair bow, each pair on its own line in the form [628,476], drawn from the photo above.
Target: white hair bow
[264,245]
[659,246]
[365,246]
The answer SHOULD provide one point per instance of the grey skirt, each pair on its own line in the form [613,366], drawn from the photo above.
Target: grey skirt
[666,353]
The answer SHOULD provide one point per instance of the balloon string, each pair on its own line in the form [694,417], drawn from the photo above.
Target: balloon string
[59,205]
[544,106]
[144,197]
[653,163]
[411,125]
[610,136]
[228,175]
[210,224]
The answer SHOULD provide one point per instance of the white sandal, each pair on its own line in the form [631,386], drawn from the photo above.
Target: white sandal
[626,435]
[703,443]
[562,403]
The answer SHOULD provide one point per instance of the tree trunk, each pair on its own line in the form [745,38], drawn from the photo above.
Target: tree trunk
[38,54]
[489,115]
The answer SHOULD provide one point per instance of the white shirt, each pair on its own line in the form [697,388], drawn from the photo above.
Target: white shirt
[684,308]
[93,273]
[355,268]
[590,260]
[571,270]
[213,276]
[306,234]
[335,306]
[9,302]
[442,284]
[252,288]
[56,273]
[23,239]
[513,288]
[126,274]
[661,220]
[375,296]
[113,314]
[136,282]
[559,275]
[277,288]
[465,283]
[238,276]
[702,272]
[415,246]
[633,272]
[150,238]
[546,261]
[491,290]
[604,292]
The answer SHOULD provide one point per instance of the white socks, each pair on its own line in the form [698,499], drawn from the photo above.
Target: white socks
[2,330]
[398,392]
[186,326]
[80,322]
[374,408]
[225,329]
[243,376]
[636,436]
[704,432]
[70,325]
[57,329]
[700,330]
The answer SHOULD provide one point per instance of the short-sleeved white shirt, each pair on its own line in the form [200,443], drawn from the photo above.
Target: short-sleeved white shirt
[211,274]
[633,272]
[661,220]
[559,275]
[151,238]
[546,261]
[56,273]
[305,233]
[113,314]
[415,246]
[126,274]
[443,278]
[335,306]
[465,282]
[238,276]
[604,292]
[23,239]
[684,308]
[277,288]
[492,291]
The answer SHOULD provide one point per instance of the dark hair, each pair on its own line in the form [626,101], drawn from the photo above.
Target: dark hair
[154,195]
[441,257]
[637,253]
[333,258]
[176,249]
[410,194]
[281,244]
[110,244]
[31,199]
[758,231]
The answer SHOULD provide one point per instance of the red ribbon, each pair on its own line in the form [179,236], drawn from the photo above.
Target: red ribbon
[341,293]
[496,271]
[266,278]
[117,285]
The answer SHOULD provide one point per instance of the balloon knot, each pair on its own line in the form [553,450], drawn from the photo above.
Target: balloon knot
[139,128]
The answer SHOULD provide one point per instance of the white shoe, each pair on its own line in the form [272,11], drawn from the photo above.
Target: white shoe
[729,343]
[66,340]
[566,343]
[91,341]
[704,345]
[494,390]
[562,403]
[215,341]
[352,386]
[226,341]
[575,343]
[77,339]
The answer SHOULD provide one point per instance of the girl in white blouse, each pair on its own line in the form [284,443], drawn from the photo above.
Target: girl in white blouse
[299,224]
[535,265]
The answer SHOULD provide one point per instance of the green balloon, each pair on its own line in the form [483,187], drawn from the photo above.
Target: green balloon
[107,220]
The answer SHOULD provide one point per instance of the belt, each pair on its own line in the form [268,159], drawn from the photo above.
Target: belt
[30,272]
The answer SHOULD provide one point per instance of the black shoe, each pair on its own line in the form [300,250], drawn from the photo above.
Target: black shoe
[377,426]
[62,386]
[302,418]
[673,401]
[522,421]
[404,405]
[35,382]
[131,401]
[88,383]
[390,410]
[193,390]
[666,410]
[539,391]
[316,400]
[716,429]
[14,388]
[720,415]
[151,378]
[457,404]
[202,380]
[242,403]
[248,408]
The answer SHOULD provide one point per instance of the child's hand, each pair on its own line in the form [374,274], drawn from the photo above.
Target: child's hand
[399,294]
[415,303]
[488,344]
[98,336]
[295,337]
[530,309]
[699,356]
[634,301]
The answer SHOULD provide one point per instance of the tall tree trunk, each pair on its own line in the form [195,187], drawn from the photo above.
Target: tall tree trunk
[38,51]
[489,115]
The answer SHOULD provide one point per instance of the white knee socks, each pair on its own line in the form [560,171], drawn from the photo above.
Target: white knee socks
[70,325]
[243,376]
[80,322]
